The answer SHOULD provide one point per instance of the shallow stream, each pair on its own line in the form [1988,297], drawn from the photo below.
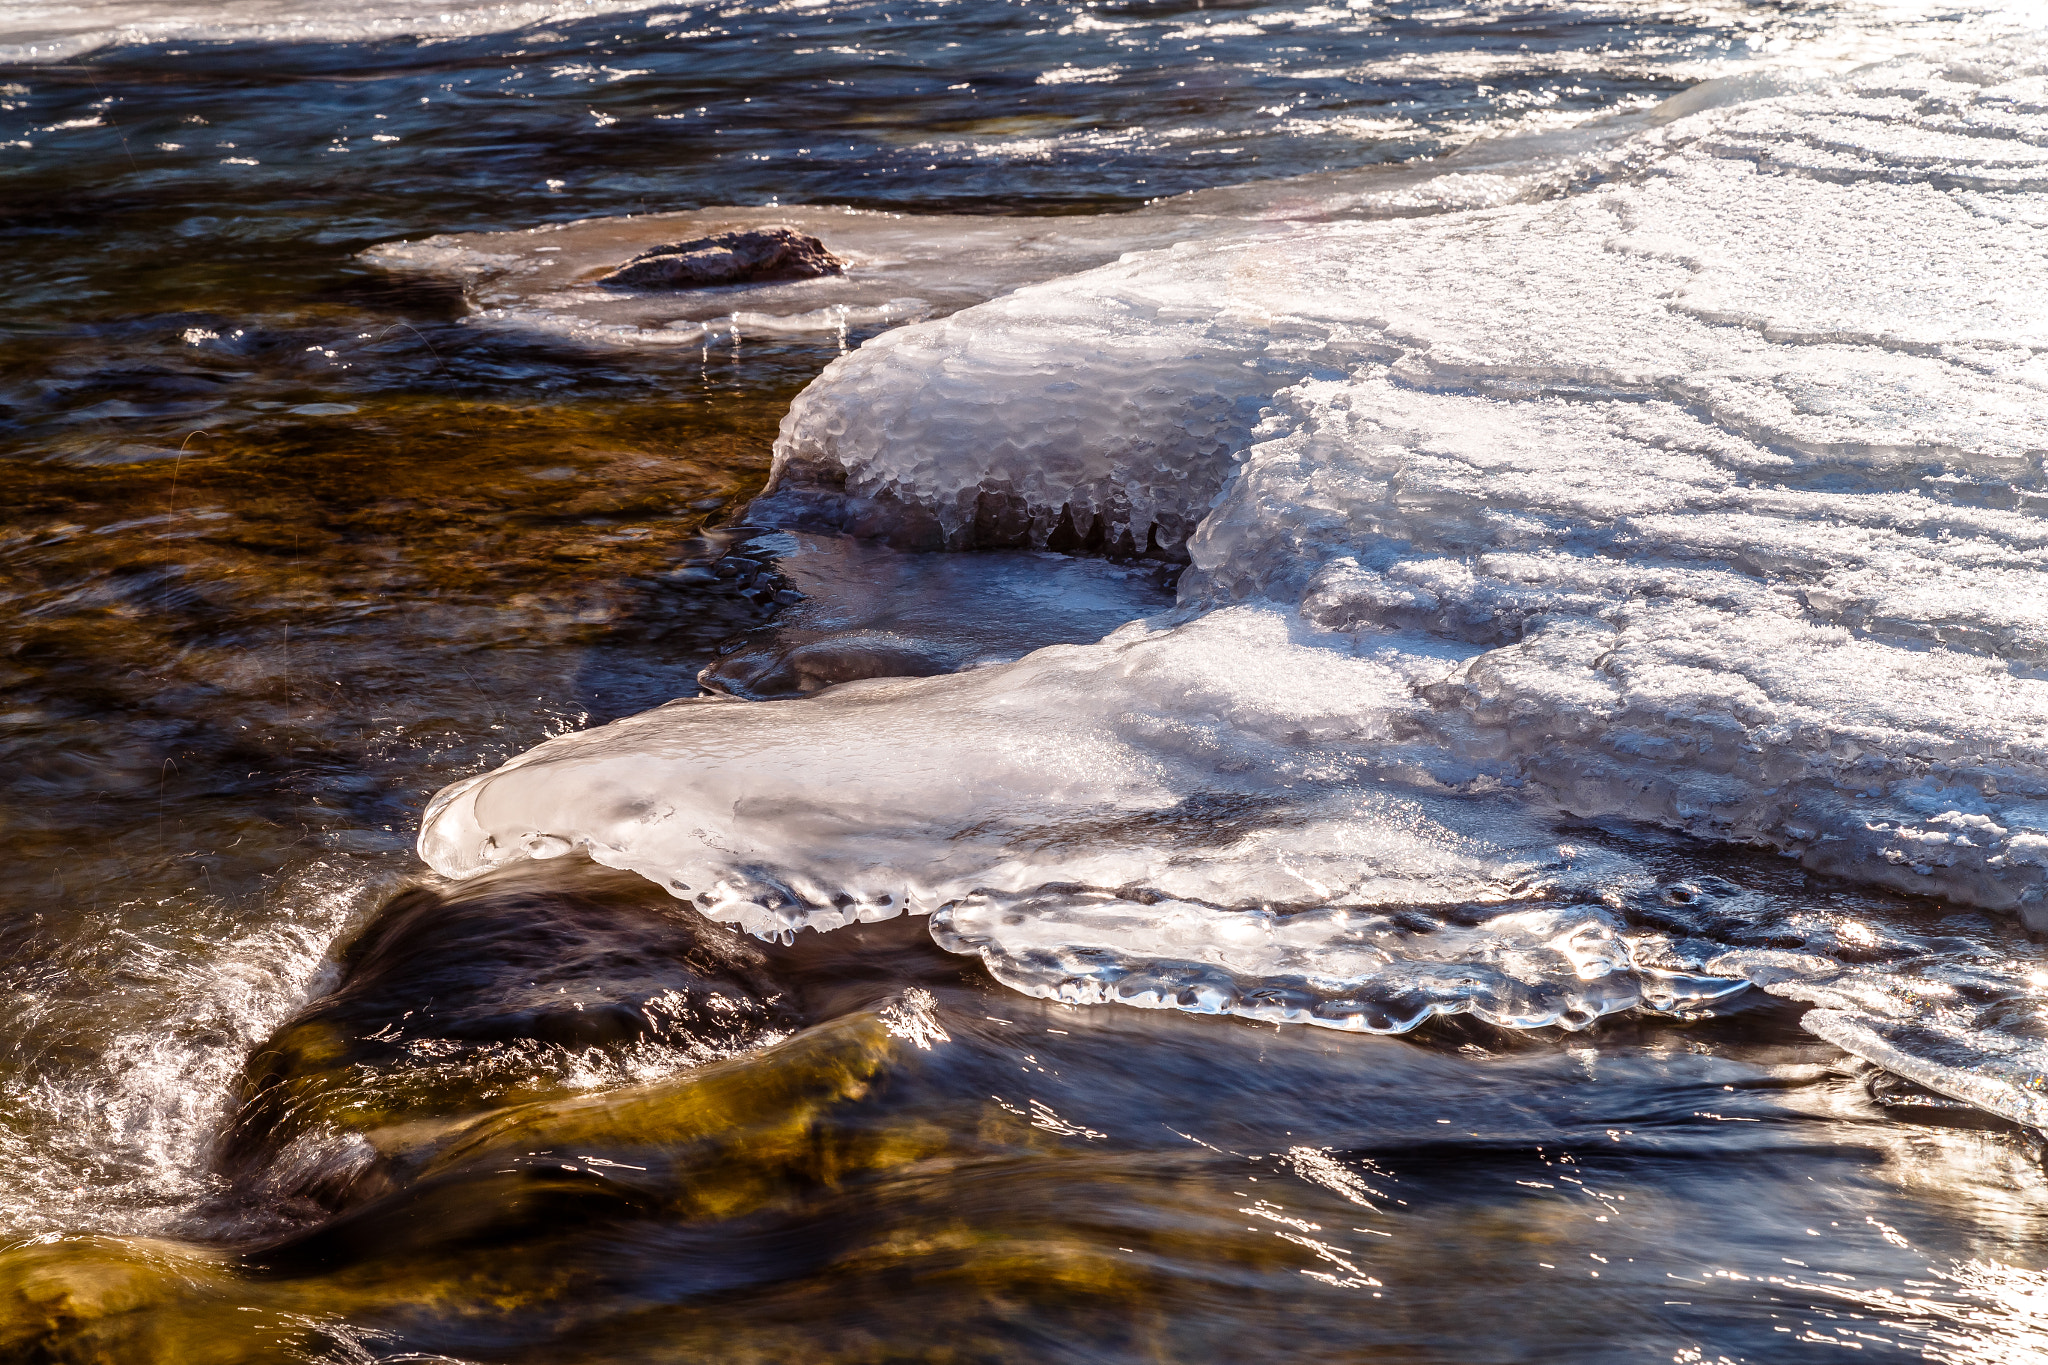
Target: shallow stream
[308,517]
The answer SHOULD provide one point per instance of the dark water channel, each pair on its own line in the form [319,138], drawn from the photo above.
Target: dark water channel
[285,546]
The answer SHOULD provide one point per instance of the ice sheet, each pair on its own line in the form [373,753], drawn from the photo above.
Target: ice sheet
[899,268]
[1705,499]
[910,267]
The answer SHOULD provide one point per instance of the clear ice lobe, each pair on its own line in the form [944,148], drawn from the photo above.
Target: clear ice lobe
[1705,499]
[1131,762]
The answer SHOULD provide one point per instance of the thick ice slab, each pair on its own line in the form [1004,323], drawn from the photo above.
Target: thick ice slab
[1753,553]
[1705,499]
[1110,765]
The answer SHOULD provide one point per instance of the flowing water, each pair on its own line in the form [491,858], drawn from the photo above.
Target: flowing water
[329,487]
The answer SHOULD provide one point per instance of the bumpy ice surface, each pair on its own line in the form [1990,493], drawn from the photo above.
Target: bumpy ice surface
[1702,500]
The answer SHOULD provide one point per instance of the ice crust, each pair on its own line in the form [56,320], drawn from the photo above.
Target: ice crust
[1704,499]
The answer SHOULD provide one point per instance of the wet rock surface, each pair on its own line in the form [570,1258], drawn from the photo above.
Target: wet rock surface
[754,256]
[455,1001]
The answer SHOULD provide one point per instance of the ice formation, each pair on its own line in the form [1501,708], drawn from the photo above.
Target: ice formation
[899,269]
[1702,499]
[903,268]
[866,612]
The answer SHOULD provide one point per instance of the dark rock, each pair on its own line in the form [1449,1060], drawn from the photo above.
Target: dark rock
[755,256]
[459,1001]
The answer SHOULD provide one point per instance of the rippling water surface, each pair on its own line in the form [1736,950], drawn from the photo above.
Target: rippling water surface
[289,544]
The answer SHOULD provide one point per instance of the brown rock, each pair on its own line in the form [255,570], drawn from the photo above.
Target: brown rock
[755,256]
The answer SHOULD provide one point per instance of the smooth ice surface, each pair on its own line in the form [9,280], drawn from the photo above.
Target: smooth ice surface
[867,612]
[1063,764]
[1705,498]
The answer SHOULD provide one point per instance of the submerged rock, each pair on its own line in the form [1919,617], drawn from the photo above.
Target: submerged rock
[754,256]
[513,989]
[452,1230]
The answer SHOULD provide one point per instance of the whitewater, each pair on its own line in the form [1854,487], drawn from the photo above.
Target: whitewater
[1531,551]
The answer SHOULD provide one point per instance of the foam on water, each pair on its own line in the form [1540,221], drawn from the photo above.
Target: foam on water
[117,1140]
[1707,499]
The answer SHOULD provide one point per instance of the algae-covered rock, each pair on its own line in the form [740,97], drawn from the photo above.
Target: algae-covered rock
[90,1300]
[452,1226]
